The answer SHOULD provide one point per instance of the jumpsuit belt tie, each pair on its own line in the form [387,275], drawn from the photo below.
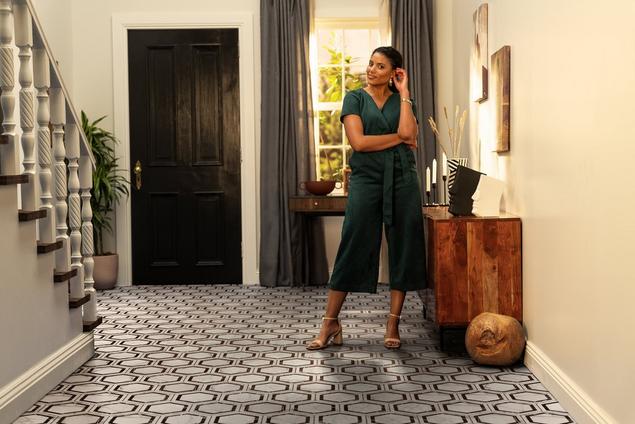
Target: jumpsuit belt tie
[389,179]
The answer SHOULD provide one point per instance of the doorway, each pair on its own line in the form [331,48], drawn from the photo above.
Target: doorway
[185,156]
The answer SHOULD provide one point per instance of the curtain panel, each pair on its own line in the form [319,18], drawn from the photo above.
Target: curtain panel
[411,29]
[292,251]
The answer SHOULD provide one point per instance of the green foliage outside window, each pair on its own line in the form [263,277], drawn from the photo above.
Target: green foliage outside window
[334,78]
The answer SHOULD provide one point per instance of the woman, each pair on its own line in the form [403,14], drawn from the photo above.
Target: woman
[382,130]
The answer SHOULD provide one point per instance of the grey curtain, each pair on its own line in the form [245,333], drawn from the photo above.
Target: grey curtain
[292,251]
[411,22]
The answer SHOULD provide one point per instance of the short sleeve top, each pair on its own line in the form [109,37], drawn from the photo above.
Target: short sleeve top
[375,121]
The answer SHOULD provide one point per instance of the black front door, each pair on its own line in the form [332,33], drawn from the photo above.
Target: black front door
[185,147]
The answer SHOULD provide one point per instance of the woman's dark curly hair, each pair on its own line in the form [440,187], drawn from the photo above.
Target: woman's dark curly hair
[395,58]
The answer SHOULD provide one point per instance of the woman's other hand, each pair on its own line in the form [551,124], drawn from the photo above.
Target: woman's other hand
[411,143]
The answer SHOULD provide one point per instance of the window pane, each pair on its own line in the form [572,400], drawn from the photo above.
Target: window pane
[355,78]
[329,47]
[357,46]
[330,127]
[331,84]
[331,169]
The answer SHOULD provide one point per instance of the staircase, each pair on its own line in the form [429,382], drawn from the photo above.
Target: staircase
[48,306]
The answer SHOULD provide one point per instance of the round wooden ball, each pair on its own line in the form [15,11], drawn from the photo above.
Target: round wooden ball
[494,339]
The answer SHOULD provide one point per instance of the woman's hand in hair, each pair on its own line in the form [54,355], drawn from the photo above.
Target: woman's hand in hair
[401,82]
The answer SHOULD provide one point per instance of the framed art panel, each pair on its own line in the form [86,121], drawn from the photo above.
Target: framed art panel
[501,96]
[479,56]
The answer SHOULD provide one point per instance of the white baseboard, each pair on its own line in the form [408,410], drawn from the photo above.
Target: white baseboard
[571,396]
[18,396]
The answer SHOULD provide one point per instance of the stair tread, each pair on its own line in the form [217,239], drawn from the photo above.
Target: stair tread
[31,215]
[76,302]
[14,179]
[48,247]
[90,326]
[59,277]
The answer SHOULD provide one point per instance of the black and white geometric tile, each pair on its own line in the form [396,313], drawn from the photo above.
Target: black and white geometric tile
[235,354]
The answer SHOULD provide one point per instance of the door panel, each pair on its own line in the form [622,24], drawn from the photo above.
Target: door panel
[210,216]
[185,132]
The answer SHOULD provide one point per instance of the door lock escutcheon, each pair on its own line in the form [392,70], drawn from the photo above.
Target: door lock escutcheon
[137,173]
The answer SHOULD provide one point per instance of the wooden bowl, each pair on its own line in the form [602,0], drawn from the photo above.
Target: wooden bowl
[318,188]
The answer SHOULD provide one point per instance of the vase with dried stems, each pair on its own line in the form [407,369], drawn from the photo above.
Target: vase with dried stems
[455,135]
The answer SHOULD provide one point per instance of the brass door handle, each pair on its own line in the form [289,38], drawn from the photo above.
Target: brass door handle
[137,173]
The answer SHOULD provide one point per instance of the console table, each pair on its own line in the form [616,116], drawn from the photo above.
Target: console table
[474,266]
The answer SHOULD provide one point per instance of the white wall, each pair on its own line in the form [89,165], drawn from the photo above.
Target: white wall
[55,17]
[30,304]
[568,177]
[35,320]
[347,9]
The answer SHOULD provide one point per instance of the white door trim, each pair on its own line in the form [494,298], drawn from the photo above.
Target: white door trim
[121,23]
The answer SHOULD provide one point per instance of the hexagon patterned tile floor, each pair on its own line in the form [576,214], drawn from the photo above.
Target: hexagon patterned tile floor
[235,354]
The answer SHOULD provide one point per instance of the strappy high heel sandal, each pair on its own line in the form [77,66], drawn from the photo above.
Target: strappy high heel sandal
[391,342]
[334,338]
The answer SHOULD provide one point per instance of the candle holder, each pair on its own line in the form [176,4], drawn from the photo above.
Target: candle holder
[427,197]
[445,189]
[434,193]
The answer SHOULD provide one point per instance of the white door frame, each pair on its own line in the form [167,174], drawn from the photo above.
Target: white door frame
[121,23]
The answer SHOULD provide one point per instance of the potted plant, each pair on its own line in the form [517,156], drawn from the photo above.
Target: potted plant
[109,187]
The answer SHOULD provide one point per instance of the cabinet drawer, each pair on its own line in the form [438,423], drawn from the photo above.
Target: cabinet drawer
[323,205]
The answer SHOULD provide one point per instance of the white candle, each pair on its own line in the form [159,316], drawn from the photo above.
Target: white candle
[445,165]
[434,171]
[427,178]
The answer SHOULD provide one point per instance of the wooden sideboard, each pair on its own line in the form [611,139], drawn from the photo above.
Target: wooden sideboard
[474,266]
[318,205]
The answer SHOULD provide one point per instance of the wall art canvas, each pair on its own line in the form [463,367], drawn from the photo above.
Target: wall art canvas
[501,97]
[479,56]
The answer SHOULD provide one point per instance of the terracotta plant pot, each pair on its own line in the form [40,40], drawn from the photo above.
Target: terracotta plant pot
[105,271]
[319,188]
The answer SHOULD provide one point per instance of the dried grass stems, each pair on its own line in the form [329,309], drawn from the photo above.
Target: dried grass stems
[455,134]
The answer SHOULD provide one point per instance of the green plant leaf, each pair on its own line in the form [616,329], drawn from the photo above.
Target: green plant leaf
[109,186]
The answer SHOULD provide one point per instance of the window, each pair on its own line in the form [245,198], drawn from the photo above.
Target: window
[341,53]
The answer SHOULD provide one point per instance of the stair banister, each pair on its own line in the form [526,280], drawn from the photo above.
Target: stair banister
[9,150]
[42,83]
[58,119]
[86,183]
[74,207]
[24,41]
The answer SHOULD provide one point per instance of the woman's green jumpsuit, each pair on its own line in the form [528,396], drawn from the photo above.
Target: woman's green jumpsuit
[383,188]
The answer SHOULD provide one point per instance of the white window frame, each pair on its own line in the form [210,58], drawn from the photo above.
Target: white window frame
[347,23]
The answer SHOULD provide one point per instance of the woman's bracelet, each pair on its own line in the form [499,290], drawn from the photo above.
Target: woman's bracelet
[403,99]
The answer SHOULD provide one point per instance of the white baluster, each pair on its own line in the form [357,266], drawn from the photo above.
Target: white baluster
[42,83]
[86,182]
[24,40]
[58,119]
[74,208]
[9,151]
